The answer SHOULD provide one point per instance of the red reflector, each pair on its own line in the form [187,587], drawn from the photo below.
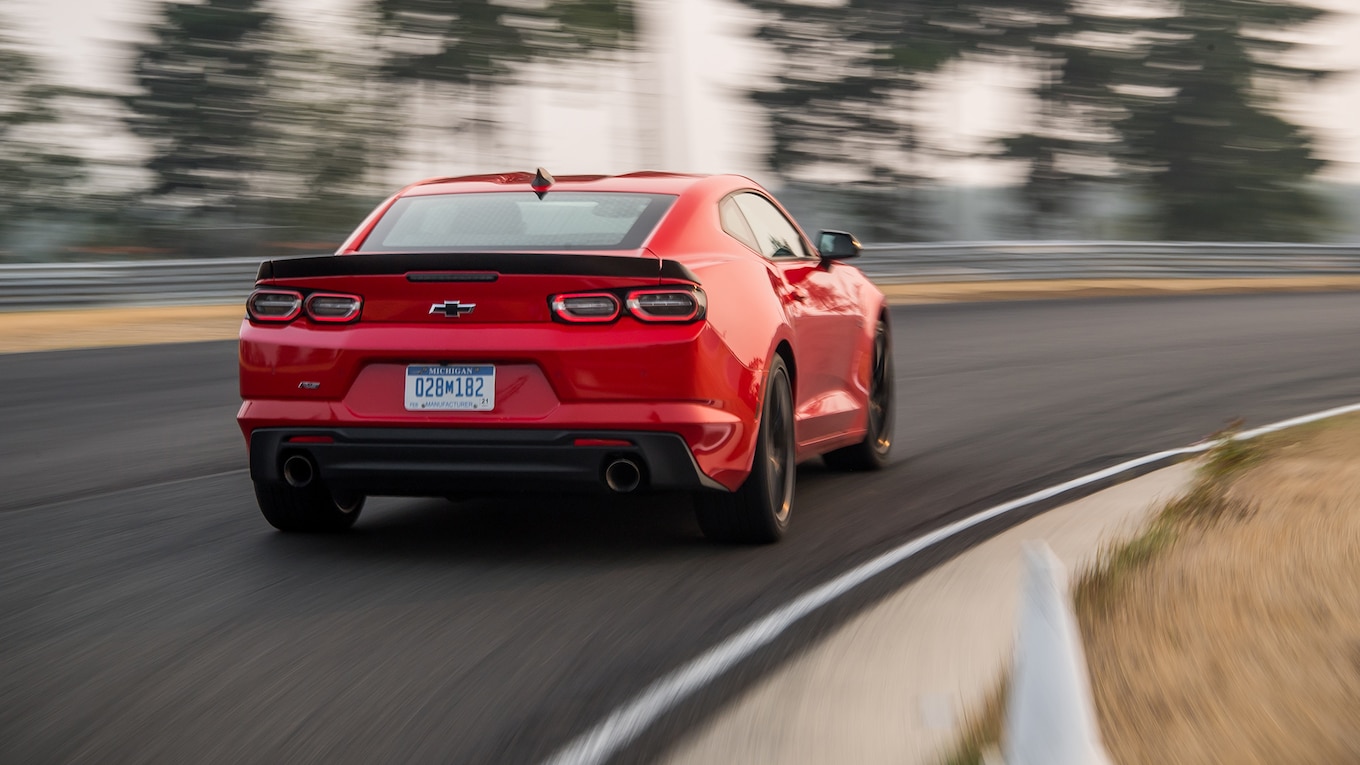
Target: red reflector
[310,440]
[602,442]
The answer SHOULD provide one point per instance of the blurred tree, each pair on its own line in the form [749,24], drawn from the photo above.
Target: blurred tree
[1076,53]
[202,91]
[477,46]
[583,26]
[1181,101]
[470,41]
[256,139]
[329,135]
[37,174]
[1203,134]
[841,105]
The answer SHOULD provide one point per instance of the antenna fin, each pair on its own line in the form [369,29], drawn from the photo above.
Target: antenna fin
[542,181]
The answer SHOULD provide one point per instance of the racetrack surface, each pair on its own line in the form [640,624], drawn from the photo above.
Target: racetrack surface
[150,614]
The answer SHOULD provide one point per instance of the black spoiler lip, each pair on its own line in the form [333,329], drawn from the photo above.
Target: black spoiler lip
[396,264]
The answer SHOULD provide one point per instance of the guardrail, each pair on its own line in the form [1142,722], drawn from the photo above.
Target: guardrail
[148,282]
[141,282]
[1004,261]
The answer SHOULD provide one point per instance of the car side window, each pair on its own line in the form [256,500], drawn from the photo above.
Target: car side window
[734,223]
[775,234]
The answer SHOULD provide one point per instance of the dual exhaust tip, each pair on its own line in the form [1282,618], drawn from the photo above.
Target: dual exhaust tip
[621,475]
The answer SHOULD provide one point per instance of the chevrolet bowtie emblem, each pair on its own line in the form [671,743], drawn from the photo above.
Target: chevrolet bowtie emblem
[452,308]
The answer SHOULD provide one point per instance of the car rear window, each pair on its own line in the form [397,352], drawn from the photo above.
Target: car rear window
[515,220]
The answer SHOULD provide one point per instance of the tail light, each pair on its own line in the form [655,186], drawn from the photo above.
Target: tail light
[332,308]
[661,304]
[280,306]
[594,307]
[274,305]
[667,304]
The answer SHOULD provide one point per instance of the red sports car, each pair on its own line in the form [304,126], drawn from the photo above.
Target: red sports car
[515,332]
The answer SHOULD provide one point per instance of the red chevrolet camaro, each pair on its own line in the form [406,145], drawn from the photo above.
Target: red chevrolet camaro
[494,333]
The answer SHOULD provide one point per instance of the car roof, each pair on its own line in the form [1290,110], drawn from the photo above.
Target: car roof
[650,182]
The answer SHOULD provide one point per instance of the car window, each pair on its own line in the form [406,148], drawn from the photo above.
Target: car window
[734,223]
[775,234]
[509,220]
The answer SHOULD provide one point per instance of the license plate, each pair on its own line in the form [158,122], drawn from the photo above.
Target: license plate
[451,388]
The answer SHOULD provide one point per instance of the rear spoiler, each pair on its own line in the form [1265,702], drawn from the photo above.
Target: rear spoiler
[394,264]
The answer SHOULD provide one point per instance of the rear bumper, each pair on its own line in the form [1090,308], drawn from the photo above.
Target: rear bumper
[446,461]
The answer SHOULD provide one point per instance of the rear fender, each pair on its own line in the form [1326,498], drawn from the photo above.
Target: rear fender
[745,312]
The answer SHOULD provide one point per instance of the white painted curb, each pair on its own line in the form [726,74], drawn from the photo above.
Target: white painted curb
[1050,717]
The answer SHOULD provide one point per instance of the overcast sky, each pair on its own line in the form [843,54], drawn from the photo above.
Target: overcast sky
[585,122]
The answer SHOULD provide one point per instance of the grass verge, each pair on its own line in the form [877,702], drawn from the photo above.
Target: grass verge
[23,332]
[981,730]
[1098,588]
[1212,635]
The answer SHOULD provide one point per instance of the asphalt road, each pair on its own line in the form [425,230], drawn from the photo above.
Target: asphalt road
[148,614]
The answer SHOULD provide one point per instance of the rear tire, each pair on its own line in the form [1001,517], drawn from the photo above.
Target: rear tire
[312,509]
[758,512]
[872,452]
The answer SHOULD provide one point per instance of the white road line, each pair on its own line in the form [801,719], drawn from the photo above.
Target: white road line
[627,722]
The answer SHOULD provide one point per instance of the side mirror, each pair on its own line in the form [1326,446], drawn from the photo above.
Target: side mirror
[837,245]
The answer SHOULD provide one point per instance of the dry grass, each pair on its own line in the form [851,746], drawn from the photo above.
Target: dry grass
[104,327]
[1207,503]
[1242,643]
[981,728]
[1228,631]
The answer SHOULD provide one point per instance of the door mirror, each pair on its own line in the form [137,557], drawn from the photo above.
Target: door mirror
[837,245]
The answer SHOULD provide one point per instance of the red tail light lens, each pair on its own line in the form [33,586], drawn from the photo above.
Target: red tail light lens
[592,307]
[331,308]
[677,305]
[274,305]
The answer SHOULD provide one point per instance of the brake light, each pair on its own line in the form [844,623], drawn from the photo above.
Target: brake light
[332,308]
[274,305]
[667,304]
[596,307]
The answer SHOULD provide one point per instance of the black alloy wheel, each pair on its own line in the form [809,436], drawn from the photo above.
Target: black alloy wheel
[758,512]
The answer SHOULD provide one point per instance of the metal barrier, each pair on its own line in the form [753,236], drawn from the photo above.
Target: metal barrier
[150,282]
[1004,261]
[144,282]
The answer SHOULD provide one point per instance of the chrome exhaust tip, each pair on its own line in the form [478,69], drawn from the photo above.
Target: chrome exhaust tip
[622,476]
[298,471]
